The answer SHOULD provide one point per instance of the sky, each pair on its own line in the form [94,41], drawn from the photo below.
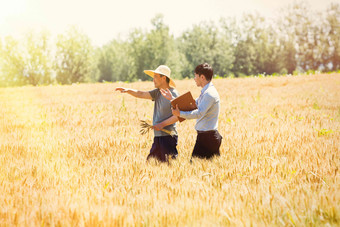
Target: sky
[104,20]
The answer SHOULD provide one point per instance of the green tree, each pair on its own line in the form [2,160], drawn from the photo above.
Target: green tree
[37,58]
[12,63]
[148,50]
[74,57]
[302,34]
[136,50]
[256,46]
[158,43]
[244,35]
[202,44]
[105,63]
[332,40]
[267,48]
[114,62]
[178,63]
[2,79]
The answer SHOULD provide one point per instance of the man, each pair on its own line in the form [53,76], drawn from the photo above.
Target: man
[163,144]
[208,139]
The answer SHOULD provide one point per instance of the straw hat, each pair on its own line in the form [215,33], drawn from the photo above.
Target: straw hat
[163,70]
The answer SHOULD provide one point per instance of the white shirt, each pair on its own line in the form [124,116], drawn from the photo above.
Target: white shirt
[208,108]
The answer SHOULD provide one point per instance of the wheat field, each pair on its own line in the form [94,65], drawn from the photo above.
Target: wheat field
[73,156]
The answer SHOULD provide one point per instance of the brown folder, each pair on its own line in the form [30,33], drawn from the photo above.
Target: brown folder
[185,102]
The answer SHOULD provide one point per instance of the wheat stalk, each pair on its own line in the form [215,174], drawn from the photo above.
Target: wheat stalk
[146,127]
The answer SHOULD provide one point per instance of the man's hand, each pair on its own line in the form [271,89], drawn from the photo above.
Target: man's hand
[135,93]
[175,112]
[166,93]
[158,127]
[122,90]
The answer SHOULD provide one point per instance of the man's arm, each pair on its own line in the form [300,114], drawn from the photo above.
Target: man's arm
[166,93]
[135,93]
[166,122]
[201,110]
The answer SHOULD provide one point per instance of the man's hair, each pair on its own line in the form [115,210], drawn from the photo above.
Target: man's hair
[167,78]
[206,70]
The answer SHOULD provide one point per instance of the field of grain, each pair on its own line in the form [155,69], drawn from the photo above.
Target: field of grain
[73,156]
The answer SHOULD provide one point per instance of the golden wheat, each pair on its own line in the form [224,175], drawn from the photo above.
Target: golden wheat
[73,156]
[146,127]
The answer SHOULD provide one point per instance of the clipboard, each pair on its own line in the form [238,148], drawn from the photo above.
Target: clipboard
[185,102]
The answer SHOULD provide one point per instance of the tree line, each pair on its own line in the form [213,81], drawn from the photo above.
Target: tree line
[297,40]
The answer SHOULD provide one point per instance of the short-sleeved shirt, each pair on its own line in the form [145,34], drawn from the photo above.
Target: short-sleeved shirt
[162,110]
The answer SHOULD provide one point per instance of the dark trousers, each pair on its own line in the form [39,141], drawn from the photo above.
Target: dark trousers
[163,147]
[207,144]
